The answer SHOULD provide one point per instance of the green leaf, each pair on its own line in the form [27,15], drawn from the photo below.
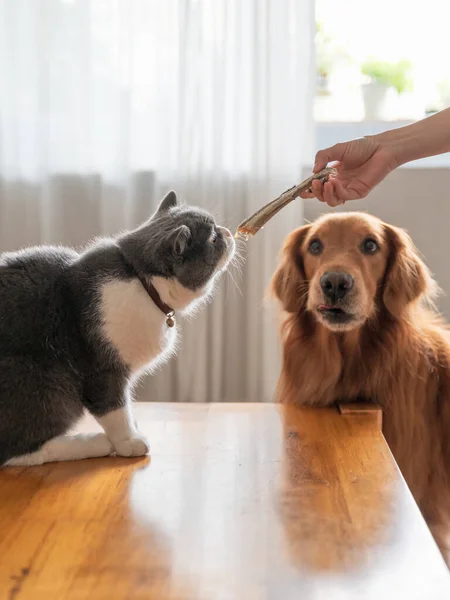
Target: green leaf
[396,75]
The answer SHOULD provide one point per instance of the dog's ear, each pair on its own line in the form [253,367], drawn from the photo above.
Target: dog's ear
[407,278]
[288,283]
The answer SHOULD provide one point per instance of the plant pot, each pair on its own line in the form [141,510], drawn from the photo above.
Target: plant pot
[323,85]
[374,96]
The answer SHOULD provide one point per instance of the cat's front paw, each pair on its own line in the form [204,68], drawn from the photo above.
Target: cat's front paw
[133,446]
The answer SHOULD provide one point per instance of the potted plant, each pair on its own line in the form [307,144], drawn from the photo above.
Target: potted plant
[440,98]
[382,76]
[329,54]
[323,60]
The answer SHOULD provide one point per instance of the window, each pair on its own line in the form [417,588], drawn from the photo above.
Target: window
[381,61]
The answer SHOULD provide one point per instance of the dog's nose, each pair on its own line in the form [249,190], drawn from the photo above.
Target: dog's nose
[336,285]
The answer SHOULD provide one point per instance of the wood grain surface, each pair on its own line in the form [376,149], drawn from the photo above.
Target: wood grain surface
[237,502]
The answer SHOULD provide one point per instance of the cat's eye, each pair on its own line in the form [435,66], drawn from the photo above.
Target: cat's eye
[369,246]
[213,237]
[315,247]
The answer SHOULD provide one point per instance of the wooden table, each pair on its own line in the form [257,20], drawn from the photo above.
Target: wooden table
[238,502]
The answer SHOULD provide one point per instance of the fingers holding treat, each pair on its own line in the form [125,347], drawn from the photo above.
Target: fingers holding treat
[314,191]
[308,193]
[330,191]
[335,194]
[318,188]
[329,194]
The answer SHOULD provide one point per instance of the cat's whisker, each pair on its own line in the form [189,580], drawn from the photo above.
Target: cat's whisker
[237,255]
[238,258]
[236,285]
[238,266]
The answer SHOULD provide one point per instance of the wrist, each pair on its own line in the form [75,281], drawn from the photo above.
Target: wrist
[399,144]
[428,137]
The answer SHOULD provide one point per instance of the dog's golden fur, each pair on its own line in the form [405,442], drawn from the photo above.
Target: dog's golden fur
[395,351]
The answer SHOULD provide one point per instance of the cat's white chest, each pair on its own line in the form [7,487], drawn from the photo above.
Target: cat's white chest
[134,325]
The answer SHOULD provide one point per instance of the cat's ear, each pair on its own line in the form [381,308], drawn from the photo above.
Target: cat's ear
[179,240]
[168,202]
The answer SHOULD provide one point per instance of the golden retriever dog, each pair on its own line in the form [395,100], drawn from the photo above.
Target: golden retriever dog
[359,324]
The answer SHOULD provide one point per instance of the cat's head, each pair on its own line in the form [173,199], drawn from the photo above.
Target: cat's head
[180,242]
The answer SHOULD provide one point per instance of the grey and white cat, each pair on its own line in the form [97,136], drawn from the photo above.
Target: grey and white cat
[76,330]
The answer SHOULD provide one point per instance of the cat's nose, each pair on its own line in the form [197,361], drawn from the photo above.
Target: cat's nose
[226,232]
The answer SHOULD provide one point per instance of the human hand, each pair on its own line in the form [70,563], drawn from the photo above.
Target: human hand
[361,165]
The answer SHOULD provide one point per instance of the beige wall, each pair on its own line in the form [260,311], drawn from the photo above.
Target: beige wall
[417,199]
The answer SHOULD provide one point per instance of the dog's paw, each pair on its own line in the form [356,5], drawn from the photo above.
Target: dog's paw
[134,446]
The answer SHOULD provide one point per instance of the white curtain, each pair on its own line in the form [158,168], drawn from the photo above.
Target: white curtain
[106,104]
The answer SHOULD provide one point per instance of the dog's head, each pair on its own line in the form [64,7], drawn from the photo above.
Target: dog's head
[345,268]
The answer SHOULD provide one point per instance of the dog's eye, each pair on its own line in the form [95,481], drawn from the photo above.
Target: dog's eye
[315,247]
[369,246]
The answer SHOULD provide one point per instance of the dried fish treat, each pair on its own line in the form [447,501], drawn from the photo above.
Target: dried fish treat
[253,224]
